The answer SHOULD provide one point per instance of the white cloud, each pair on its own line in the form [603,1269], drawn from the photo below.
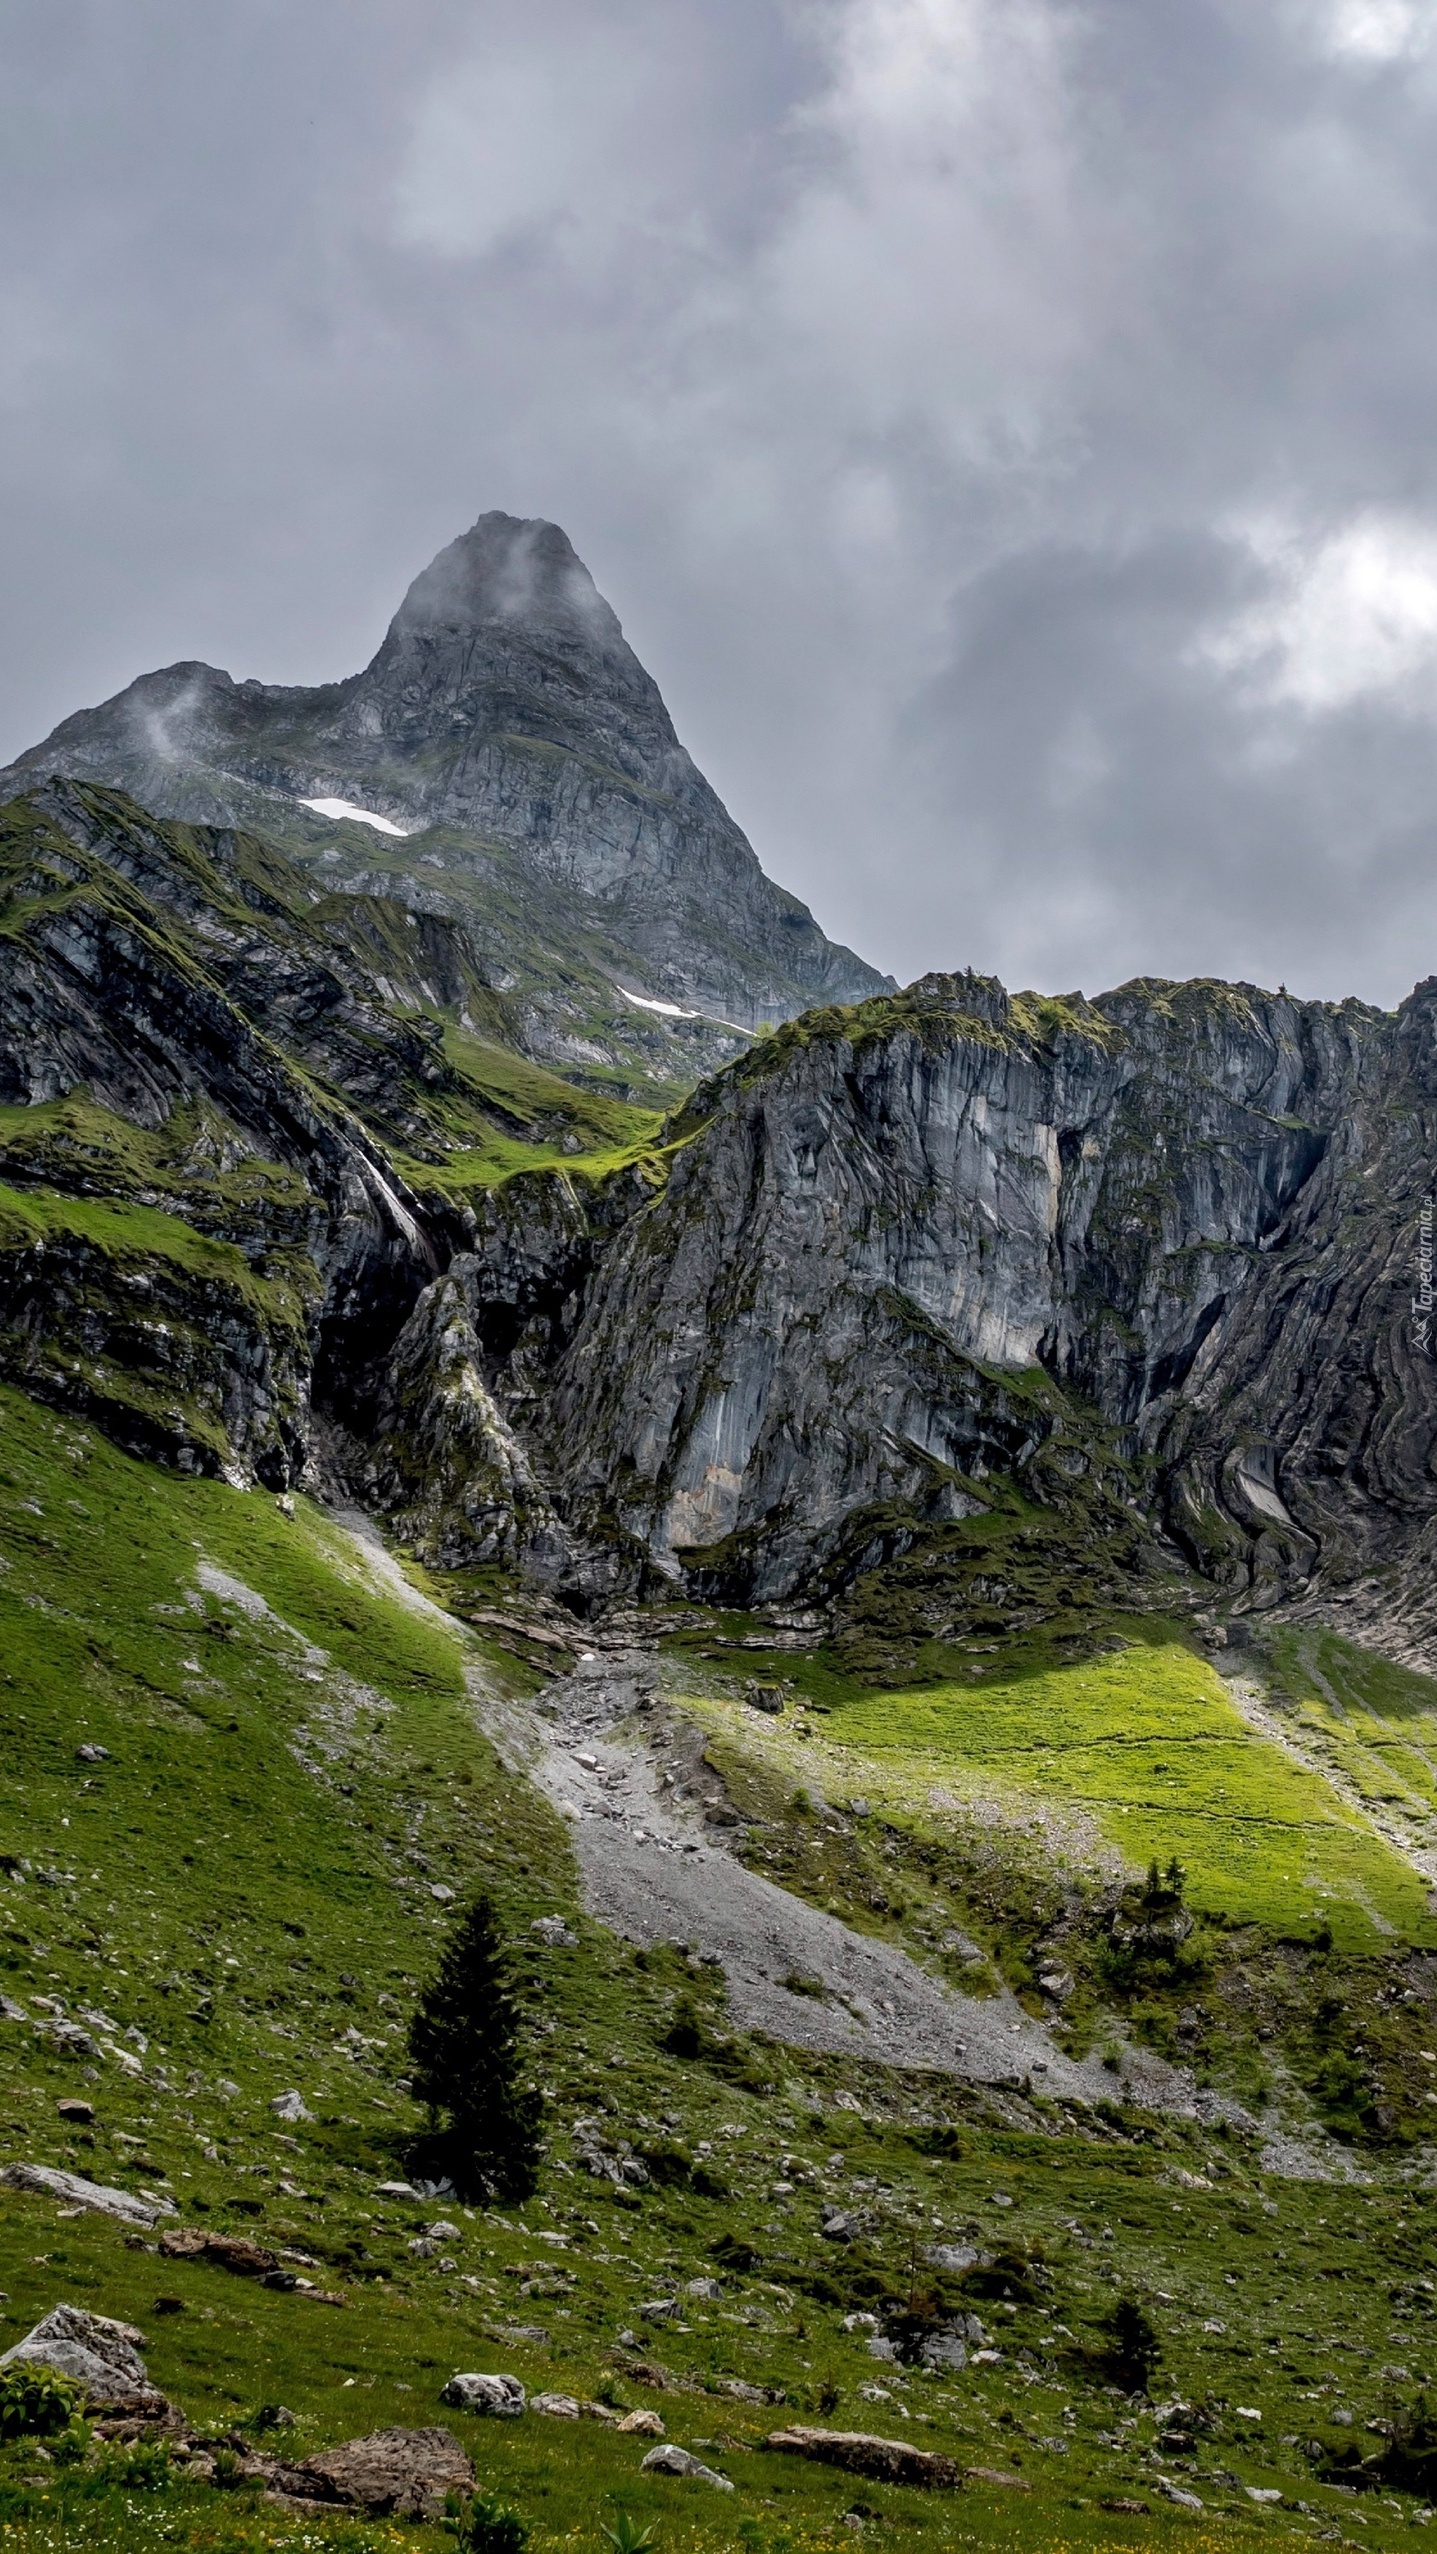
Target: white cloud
[1351,616]
[568,144]
[1378,30]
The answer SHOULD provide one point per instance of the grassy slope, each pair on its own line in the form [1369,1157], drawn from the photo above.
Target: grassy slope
[239,1883]
[1142,1753]
[527,1118]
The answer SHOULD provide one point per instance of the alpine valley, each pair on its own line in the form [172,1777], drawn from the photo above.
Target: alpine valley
[890,1532]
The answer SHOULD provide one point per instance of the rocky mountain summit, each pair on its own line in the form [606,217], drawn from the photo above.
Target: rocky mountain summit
[518,768]
[944,1311]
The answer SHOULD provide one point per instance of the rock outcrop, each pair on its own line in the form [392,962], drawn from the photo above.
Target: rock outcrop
[893,1231]
[97,2354]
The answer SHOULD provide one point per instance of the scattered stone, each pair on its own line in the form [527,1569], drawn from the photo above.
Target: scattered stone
[1258,2492]
[1174,2492]
[100,2355]
[943,2350]
[859,2452]
[996,2474]
[838,2225]
[395,2190]
[1122,2507]
[642,2425]
[957,2257]
[661,2310]
[444,1895]
[691,2469]
[742,2392]
[501,2396]
[559,2407]
[406,2474]
[860,2323]
[48,2183]
[70,2039]
[763,1698]
[444,2232]
[290,2106]
[239,2253]
[10,2011]
[879,2347]
[553,1932]
[704,2288]
[90,1754]
[80,2113]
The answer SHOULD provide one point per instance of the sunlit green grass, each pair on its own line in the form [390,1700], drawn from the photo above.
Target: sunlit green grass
[1143,1752]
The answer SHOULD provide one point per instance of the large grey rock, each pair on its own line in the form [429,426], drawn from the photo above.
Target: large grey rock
[860,2452]
[405,2474]
[100,2355]
[502,2396]
[670,2459]
[47,2181]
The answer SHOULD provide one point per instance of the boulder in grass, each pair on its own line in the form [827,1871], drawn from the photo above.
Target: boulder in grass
[996,2474]
[859,2452]
[100,2356]
[689,2469]
[239,2253]
[1174,2492]
[403,2474]
[642,2425]
[559,2407]
[501,2396]
[129,2206]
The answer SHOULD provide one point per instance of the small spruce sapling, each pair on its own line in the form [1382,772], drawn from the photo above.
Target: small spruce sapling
[1134,2345]
[467,2067]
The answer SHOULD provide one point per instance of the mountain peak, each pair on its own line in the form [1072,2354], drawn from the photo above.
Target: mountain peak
[508,569]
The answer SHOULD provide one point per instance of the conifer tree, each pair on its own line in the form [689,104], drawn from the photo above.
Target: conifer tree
[464,2047]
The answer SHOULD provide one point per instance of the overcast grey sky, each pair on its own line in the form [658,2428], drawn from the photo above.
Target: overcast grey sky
[1007,428]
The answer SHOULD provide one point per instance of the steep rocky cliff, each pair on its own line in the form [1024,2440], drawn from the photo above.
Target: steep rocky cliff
[527,775]
[1194,1209]
[949,1313]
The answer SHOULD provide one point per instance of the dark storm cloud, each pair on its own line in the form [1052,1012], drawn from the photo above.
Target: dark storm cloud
[1005,427]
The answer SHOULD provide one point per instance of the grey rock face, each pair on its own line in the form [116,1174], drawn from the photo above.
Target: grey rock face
[100,2355]
[1198,1207]
[504,706]
[392,2473]
[501,2396]
[688,2468]
[47,2181]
